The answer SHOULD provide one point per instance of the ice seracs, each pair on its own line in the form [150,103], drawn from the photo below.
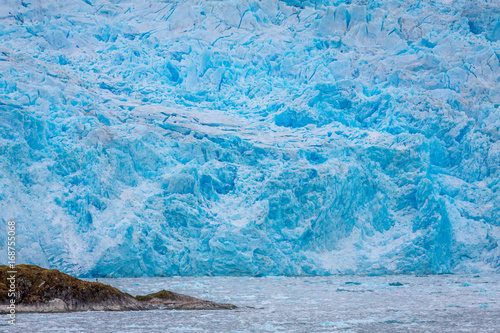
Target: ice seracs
[251,137]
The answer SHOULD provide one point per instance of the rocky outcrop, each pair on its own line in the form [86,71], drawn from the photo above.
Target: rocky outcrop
[169,300]
[49,290]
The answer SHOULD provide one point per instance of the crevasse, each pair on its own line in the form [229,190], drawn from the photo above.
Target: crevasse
[251,137]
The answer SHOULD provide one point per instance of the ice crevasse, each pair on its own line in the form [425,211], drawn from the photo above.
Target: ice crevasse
[142,138]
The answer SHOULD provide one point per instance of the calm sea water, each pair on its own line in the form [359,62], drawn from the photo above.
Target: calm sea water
[297,304]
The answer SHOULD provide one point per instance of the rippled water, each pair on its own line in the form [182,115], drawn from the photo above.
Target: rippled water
[298,304]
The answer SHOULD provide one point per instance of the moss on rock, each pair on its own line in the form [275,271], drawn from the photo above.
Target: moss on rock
[162,294]
[39,285]
[49,290]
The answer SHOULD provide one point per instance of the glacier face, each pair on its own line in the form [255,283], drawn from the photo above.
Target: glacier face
[251,137]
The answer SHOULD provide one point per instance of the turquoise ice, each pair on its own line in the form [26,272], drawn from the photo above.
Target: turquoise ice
[251,137]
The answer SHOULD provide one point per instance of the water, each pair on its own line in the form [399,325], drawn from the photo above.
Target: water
[298,304]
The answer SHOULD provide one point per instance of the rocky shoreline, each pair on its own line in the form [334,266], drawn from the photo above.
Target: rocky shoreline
[49,290]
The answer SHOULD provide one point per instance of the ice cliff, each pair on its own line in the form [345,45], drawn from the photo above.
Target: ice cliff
[251,137]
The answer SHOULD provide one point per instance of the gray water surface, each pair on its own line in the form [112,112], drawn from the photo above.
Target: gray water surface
[443,303]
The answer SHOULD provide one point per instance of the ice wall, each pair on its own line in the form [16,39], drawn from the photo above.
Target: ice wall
[251,137]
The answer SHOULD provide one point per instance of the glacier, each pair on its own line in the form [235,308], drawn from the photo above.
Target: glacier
[161,138]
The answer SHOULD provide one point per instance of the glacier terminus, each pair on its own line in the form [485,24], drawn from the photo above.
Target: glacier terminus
[161,138]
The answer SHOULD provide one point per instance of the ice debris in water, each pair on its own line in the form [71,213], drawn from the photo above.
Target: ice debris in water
[251,137]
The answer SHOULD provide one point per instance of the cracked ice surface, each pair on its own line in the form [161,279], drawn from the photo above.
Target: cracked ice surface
[251,137]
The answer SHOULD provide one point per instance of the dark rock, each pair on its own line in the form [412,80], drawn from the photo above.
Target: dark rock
[170,300]
[48,290]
